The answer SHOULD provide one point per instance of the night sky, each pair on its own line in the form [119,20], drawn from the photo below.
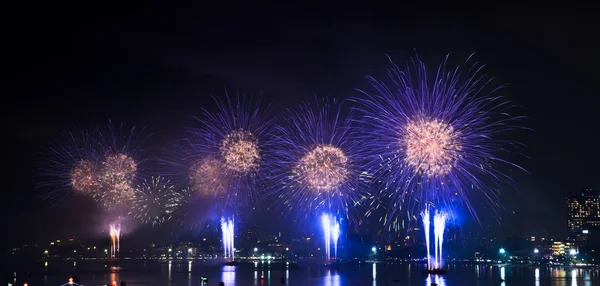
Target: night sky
[74,65]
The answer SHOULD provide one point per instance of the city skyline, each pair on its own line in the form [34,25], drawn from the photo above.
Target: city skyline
[162,92]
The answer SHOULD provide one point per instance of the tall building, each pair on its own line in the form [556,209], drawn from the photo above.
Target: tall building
[583,214]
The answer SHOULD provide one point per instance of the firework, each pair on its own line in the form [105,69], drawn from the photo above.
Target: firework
[240,151]
[115,239]
[116,179]
[84,177]
[70,165]
[99,163]
[154,201]
[227,151]
[206,177]
[317,161]
[434,141]
[118,168]
[331,233]
[227,229]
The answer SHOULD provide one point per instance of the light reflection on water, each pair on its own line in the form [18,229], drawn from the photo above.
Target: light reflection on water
[228,275]
[374,274]
[264,273]
[332,279]
[437,279]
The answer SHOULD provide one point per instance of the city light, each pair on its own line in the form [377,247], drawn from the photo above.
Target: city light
[374,249]
[573,251]
[502,251]
[287,249]
[585,231]
[255,249]
[536,250]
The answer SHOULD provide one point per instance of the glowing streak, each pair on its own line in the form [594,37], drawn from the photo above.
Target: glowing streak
[331,231]
[228,233]
[115,236]
[335,235]
[439,225]
[426,224]
[326,221]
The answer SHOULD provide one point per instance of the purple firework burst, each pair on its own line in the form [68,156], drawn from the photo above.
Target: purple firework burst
[227,153]
[435,139]
[317,161]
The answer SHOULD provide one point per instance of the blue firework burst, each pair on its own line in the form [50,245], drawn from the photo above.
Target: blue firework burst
[436,138]
[318,164]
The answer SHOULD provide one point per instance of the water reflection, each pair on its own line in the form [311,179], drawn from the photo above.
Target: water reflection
[189,273]
[437,279]
[332,279]
[374,273]
[228,275]
[573,277]
[169,270]
[537,277]
[503,276]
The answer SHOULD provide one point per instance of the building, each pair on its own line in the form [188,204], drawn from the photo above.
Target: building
[583,214]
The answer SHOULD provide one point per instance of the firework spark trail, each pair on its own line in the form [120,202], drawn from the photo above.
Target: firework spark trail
[228,152]
[435,140]
[331,234]
[317,161]
[335,235]
[426,228]
[155,201]
[326,222]
[227,229]
[115,237]
[439,226]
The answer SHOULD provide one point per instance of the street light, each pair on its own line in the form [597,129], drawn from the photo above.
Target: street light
[255,249]
[535,250]
[573,251]
[502,251]
[374,249]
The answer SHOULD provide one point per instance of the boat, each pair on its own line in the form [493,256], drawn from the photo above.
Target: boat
[437,271]
[231,263]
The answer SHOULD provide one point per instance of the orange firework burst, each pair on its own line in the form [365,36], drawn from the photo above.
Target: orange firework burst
[323,169]
[431,146]
[206,176]
[241,152]
[117,175]
[83,177]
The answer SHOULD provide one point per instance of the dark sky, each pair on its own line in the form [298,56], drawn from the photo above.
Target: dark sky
[72,64]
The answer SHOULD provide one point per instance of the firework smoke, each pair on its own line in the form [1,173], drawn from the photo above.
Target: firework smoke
[435,140]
